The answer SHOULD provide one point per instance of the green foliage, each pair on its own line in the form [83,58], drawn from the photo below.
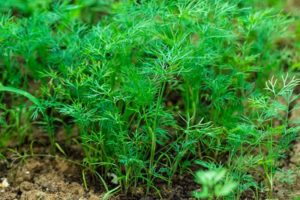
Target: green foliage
[153,86]
[20,92]
[214,184]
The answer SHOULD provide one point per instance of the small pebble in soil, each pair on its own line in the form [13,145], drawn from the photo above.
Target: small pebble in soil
[4,183]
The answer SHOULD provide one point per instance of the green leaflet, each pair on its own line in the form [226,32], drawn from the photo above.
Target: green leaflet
[20,92]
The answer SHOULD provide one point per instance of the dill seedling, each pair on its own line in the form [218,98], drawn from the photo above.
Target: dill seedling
[153,86]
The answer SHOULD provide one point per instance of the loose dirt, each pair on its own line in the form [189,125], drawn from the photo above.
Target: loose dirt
[44,179]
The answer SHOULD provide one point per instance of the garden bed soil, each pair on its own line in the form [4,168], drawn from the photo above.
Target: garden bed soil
[57,179]
[44,179]
[41,176]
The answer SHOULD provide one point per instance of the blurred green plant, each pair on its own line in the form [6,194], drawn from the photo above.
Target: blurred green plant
[214,184]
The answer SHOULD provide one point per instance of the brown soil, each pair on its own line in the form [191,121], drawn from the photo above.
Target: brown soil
[44,179]
[53,178]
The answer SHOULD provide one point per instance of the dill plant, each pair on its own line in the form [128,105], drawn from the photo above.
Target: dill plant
[154,86]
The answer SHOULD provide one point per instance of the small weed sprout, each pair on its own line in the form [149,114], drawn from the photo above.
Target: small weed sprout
[214,184]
